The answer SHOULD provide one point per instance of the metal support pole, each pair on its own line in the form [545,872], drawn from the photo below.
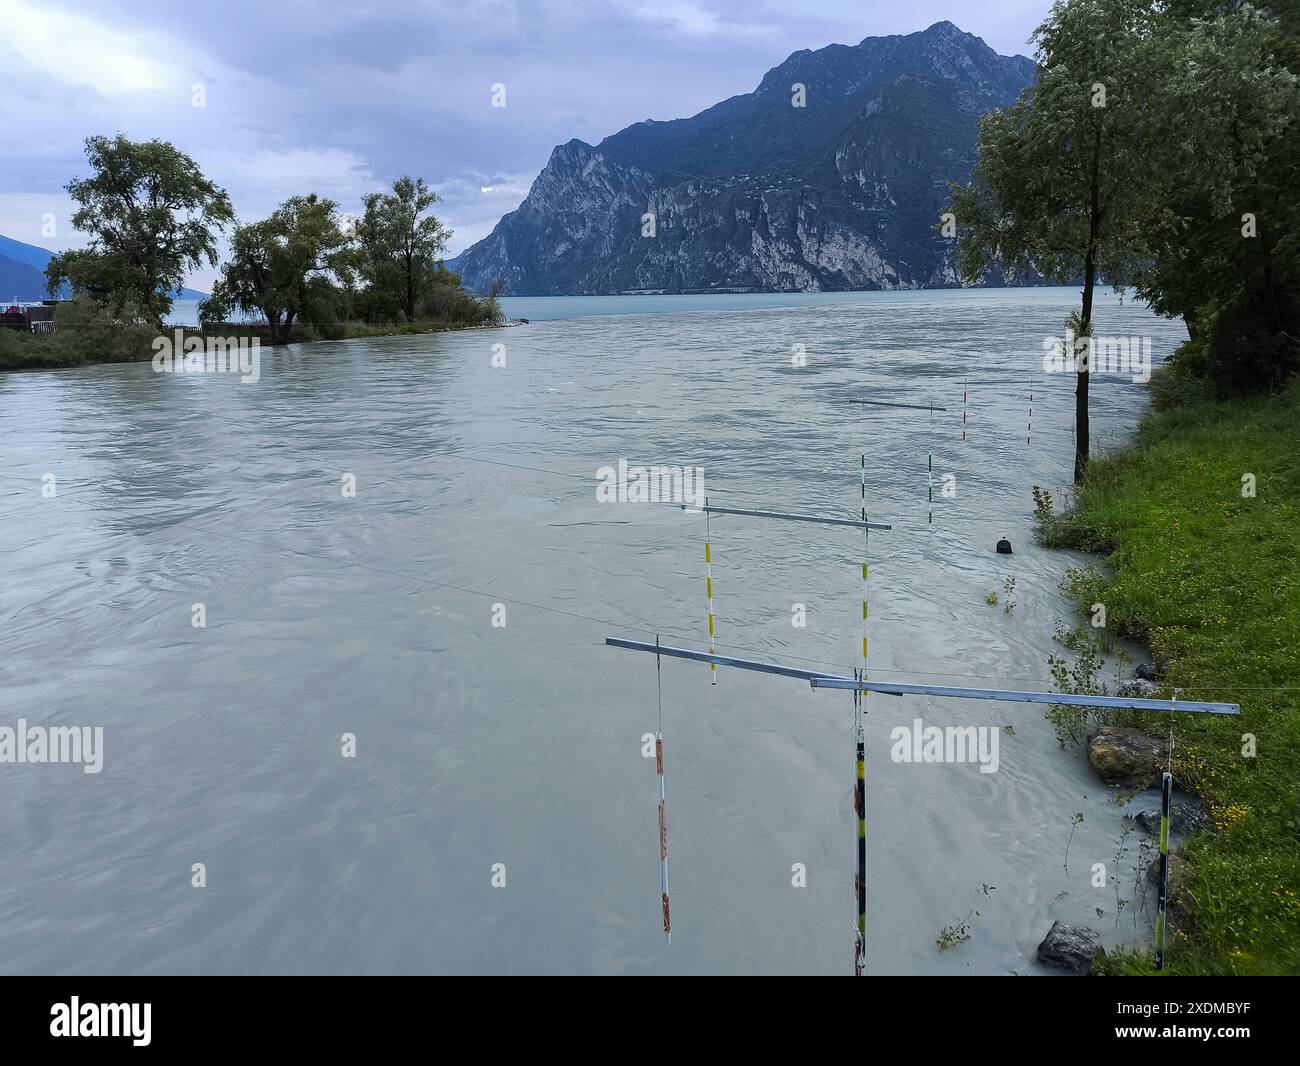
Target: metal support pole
[1162,893]
[860,805]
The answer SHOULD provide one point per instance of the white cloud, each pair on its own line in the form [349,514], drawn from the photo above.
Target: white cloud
[81,51]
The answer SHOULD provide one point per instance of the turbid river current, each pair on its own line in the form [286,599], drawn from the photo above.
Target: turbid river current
[494,810]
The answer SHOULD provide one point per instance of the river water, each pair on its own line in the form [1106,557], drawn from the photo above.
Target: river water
[522,744]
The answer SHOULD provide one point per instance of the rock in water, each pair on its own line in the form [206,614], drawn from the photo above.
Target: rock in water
[1146,672]
[1184,818]
[1069,947]
[1122,755]
[1004,547]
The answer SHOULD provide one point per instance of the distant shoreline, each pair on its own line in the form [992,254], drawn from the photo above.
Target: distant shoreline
[45,353]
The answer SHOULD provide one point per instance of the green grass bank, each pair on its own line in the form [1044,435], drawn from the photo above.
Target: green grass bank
[1207,575]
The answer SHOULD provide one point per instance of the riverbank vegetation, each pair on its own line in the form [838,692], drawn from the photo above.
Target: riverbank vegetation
[1157,152]
[307,272]
[1200,523]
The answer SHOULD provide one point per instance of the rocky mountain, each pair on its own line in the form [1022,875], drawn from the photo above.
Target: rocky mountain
[756,194]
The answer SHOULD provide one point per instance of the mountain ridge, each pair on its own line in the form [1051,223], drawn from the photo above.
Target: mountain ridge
[755,194]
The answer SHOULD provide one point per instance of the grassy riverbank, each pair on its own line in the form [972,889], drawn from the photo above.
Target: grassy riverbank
[1209,579]
[134,344]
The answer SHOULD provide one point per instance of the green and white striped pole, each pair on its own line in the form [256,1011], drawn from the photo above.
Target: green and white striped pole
[1166,787]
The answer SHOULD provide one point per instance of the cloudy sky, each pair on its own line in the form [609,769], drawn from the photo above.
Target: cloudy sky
[341,96]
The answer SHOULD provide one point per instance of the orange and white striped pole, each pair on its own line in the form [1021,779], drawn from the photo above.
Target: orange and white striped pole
[663,804]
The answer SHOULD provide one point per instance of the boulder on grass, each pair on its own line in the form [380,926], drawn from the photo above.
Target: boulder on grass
[1069,947]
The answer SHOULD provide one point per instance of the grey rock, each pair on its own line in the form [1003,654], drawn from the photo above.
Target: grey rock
[1184,818]
[1146,672]
[1139,688]
[1069,947]
[1122,755]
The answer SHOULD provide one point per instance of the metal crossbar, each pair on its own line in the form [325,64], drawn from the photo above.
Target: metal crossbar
[821,679]
[709,509]
[911,406]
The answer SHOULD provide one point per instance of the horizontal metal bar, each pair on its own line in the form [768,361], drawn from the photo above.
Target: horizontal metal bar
[789,517]
[720,660]
[822,679]
[911,406]
[893,688]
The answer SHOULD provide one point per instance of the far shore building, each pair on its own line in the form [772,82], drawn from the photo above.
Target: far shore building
[29,317]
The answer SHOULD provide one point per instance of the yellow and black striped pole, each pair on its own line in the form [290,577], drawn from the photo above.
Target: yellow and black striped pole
[708,584]
[866,540]
[860,776]
[1162,889]
[859,804]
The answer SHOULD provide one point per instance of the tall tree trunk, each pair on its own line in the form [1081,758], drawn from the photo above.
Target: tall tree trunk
[1085,317]
[409,305]
[1081,387]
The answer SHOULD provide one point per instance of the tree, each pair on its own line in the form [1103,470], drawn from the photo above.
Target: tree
[401,244]
[1224,236]
[152,217]
[284,266]
[1061,176]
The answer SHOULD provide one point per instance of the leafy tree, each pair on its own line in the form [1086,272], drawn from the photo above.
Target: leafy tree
[401,243]
[285,266]
[1061,177]
[1224,235]
[152,217]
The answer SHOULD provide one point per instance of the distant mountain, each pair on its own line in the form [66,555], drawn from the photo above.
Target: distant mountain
[18,281]
[755,194]
[22,273]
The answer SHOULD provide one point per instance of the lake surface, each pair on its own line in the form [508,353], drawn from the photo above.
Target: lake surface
[521,744]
